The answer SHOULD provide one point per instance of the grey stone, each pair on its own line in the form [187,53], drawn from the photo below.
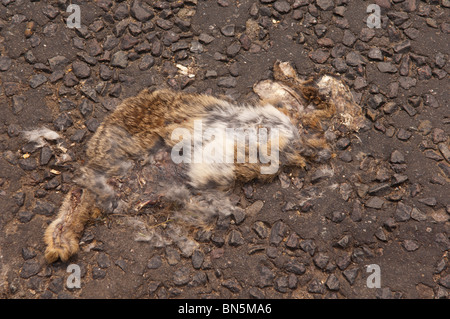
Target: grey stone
[405,65]
[354,59]
[431,23]
[172,256]
[345,157]
[412,33]
[146,63]
[120,27]
[37,80]
[398,17]
[180,45]
[78,136]
[235,238]
[227,82]
[351,274]
[445,151]
[295,267]
[27,164]
[337,216]
[205,38]
[197,259]
[58,62]
[92,124]
[70,79]
[85,108]
[18,103]
[320,56]
[320,30]
[407,82]
[402,47]
[366,34]
[445,281]
[199,279]
[375,54]
[164,24]
[28,253]
[293,241]
[409,109]
[429,201]
[232,285]
[410,245]
[430,100]
[220,57]
[390,224]
[321,260]
[196,47]
[10,157]
[398,179]
[228,30]
[438,135]
[52,184]
[379,233]
[29,269]
[278,232]
[128,42]
[29,57]
[282,6]
[375,202]
[348,38]
[397,157]
[325,4]
[62,122]
[56,76]
[184,25]
[5,63]
[266,276]
[98,273]
[281,284]
[308,246]
[332,282]
[66,105]
[384,293]
[386,67]
[403,134]
[155,262]
[103,260]
[121,12]
[416,214]
[260,229]
[316,286]
[19,198]
[119,59]
[424,73]
[402,212]
[143,47]
[44,208]
[376,100]
[233,49]
[440,60]
[341,67]
[140,12]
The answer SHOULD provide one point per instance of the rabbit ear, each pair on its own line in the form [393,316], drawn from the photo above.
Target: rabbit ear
[274,92]
[283,70]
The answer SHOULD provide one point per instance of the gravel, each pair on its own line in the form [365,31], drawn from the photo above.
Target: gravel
[384,191]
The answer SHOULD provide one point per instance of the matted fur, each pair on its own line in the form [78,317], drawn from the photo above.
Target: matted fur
[135,142]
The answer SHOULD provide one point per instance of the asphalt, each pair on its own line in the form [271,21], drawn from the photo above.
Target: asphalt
[377,228]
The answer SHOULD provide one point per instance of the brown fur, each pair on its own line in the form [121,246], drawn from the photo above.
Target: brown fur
[136,127]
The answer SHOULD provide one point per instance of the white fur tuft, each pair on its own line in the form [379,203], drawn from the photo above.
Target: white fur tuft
[39,136]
